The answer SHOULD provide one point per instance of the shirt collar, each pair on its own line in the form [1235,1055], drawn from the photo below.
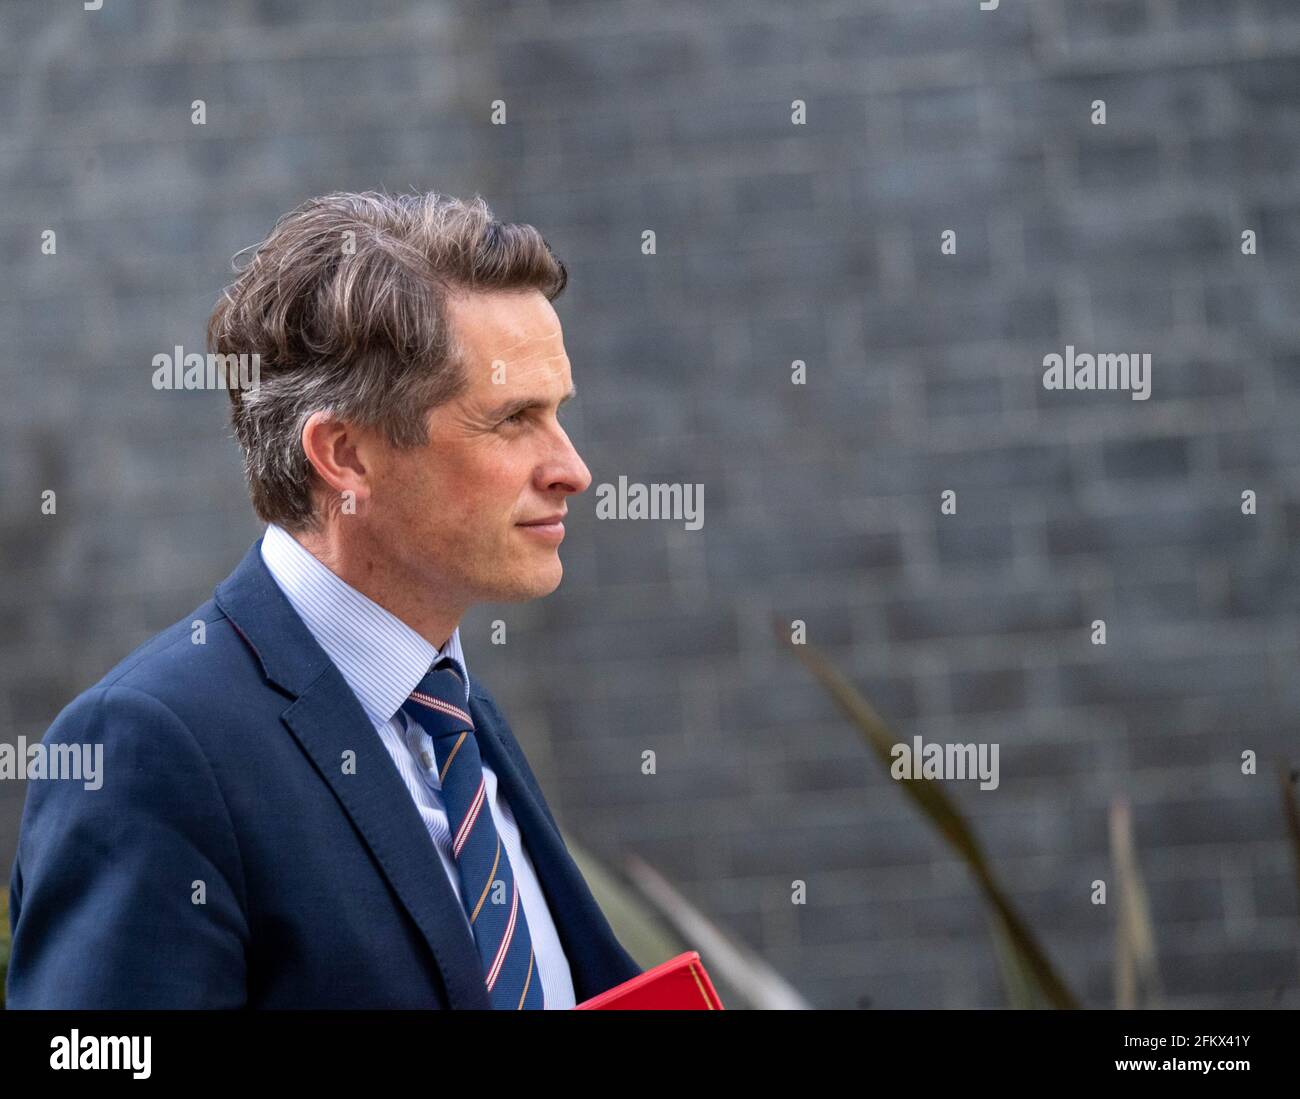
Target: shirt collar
[380,656]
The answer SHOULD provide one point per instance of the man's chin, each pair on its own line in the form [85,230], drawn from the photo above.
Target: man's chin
[549,580]
[538,583]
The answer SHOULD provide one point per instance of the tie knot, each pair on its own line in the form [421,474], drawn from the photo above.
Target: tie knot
[438,701]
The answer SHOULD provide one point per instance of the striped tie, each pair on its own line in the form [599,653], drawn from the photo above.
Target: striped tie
[487,883]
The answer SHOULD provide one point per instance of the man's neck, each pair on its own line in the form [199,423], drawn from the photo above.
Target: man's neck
[371,575]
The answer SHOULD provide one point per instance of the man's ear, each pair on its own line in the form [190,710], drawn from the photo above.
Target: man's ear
[334,448]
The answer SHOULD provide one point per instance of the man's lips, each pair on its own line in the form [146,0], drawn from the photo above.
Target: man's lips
[550,527]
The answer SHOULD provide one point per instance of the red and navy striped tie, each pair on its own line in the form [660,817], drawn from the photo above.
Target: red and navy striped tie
[487,883]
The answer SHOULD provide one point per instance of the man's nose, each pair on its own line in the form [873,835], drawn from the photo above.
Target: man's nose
[581,476]
[573,470]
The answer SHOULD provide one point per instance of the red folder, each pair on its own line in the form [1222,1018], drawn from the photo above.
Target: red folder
[679,984]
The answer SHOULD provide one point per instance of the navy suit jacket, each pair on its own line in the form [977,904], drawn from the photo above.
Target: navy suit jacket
[224,779]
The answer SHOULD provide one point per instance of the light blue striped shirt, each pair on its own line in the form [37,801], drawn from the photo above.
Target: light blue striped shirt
[382,659]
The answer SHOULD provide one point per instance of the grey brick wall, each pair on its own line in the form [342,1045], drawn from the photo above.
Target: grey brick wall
[775,242]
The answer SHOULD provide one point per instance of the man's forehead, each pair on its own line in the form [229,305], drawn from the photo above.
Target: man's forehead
[525,362]
[540,347]
[510,345]
[528,370]
[506,325]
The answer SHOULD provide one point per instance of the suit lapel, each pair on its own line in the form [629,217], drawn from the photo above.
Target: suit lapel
[328,721]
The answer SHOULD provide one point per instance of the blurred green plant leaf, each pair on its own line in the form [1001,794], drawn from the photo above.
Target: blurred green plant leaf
[1030,961]
[1136,975]
[635,923]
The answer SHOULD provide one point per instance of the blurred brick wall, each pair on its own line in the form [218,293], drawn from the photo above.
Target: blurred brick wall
[775,242]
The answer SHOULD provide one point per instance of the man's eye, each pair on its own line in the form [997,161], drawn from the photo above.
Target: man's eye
[515,418]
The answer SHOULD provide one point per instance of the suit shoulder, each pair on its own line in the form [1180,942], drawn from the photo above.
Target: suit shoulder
[183,663]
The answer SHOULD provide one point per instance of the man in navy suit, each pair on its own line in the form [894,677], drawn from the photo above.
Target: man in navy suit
[278,823]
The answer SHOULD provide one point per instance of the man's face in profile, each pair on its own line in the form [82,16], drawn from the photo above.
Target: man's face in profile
[452,512]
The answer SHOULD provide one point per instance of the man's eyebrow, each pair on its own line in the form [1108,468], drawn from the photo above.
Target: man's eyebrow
[522,404]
